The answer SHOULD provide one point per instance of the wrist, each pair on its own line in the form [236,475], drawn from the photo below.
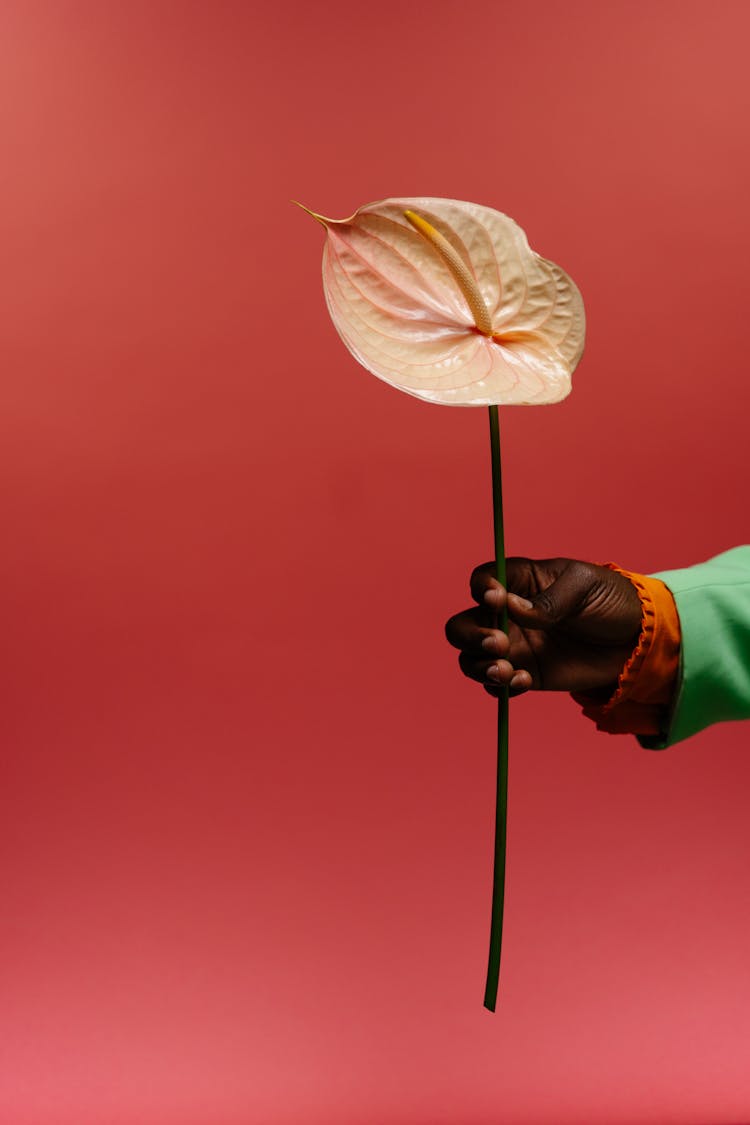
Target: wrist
[639,701]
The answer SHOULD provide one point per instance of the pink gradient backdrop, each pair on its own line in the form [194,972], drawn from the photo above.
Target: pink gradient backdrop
[246,796]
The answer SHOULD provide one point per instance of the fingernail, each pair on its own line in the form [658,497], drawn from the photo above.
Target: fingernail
[493,672]
[488,644]
[491,596]
[523,603]
[517,680]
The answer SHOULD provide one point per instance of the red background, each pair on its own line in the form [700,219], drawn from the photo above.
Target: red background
[246,795]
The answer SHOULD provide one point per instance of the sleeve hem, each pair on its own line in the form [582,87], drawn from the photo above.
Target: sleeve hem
[640,703]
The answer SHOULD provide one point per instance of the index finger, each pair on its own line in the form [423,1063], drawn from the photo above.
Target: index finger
[483,578]
[524,576]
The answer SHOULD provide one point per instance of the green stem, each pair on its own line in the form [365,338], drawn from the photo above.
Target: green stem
[501,800]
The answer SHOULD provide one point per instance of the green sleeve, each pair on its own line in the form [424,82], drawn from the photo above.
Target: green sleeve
[713,604]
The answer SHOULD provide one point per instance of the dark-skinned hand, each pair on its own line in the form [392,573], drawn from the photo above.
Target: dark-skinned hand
[571,627]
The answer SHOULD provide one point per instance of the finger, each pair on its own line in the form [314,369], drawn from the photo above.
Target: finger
[495,600]
[520,683]
[495,643]
[501,672]
[558,599]
[519,610]
[484,671]
[466,631]
[521,576]
[517,686]
[483,578]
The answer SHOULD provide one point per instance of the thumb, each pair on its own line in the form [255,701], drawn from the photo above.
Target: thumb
[564,597]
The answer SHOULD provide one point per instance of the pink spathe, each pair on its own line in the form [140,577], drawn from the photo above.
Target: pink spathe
[396,303]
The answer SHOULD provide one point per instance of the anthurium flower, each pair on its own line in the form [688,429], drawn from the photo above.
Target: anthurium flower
[446,301]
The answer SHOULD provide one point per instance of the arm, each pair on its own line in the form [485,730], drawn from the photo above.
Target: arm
[713,604]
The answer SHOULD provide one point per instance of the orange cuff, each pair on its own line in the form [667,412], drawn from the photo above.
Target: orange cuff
[640,702]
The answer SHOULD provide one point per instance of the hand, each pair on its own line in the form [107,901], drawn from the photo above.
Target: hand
[572,626]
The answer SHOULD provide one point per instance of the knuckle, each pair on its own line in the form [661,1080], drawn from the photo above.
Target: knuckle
[582,572]
[546,604]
